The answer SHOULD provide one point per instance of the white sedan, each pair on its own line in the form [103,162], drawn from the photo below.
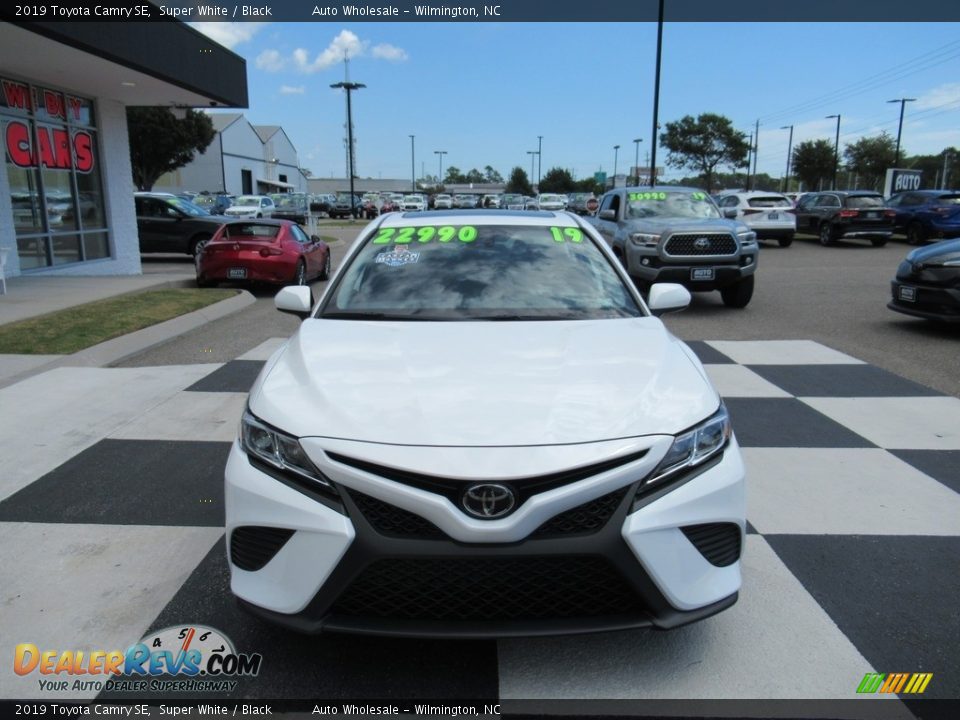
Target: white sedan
[251,206]
[482,430]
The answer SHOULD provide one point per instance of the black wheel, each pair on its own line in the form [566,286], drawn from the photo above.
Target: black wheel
[879,242]
[202,282]
[826,234]
[916,234]
[197,245]
[785,242]
[325,273]
[739,294]
[259,215]
[300,274]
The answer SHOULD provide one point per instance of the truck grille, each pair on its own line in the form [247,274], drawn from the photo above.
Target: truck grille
[697,244]
[468,589]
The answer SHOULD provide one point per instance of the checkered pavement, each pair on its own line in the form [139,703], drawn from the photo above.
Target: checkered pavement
[111,516]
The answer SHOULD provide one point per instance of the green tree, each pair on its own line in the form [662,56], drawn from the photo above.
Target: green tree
[161,143]
[703,143]
[869,157]
[933,166]
[519,182]
[454,176]
[491,176]
[557,180]
[813,162]
[474,176]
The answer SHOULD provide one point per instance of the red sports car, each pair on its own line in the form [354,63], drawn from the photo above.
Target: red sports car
[269,251]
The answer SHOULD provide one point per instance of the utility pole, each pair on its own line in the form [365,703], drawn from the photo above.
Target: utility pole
[349,87]
[440,154]
[749,159]
[539,159]
[636,160]
[903,102]
[616,151]
[789,150]
[656,99]
[756,146]
[413,166]
[836,151]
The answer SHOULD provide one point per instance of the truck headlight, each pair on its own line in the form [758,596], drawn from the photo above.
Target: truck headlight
[276,448]
[645,239]
[747,237]
[695,446]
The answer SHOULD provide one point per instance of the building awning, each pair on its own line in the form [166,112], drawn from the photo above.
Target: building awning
[275,183]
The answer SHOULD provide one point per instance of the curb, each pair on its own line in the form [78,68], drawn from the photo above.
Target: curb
[120,348]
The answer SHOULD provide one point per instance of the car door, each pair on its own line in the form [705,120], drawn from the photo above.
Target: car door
[158,226]
[828,208]
[312,252]
[606,223]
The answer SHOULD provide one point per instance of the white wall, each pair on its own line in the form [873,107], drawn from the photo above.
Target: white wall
[204,173]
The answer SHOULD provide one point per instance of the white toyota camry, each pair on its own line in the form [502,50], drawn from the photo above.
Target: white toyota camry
[481,429]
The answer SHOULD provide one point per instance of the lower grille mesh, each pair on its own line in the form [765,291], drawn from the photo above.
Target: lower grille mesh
[252,547]
[719,543]
[392,521]
[583,519]
[488,589]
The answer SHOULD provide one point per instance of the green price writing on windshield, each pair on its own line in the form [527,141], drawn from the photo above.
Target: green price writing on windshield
[698,196]
[574,234]
[425,234]
[647,196]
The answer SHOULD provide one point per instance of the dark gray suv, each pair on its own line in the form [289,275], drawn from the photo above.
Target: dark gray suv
[678,235]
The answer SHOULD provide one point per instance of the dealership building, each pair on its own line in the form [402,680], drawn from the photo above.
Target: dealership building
[66,187]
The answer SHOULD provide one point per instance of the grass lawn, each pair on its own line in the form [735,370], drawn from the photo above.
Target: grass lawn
[68,331]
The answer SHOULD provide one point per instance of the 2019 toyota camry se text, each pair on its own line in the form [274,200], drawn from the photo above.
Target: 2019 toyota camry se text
[481,430]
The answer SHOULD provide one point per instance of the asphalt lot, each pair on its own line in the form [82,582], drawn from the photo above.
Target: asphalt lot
[836,296]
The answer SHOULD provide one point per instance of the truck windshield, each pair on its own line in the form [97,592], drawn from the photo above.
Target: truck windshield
[670,204]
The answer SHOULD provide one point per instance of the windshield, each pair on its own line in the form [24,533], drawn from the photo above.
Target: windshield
[188,208]
[482,272]
[293,201]
[769,202]
[670,204]
[550,198]
[247,202]
[864,201]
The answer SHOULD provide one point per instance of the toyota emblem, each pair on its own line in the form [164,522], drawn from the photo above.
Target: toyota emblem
[488,500]
[702,244]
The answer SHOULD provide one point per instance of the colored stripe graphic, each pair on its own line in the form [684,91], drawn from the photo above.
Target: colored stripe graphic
[907,683]
[918,683]
[870,683]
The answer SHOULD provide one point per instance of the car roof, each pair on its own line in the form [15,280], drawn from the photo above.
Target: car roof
[485,217]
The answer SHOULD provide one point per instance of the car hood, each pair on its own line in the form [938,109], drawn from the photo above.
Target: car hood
[661,225]
[937,252]
[483,383]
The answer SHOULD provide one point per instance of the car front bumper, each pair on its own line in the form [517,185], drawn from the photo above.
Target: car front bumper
[364,565]
[930,302]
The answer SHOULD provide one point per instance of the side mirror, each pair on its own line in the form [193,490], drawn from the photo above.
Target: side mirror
[315,239]
[608,215]
[294,299]
[730,213]
[667,297]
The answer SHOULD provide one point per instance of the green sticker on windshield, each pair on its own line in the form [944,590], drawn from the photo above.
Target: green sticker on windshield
[698,196]
[648,195]
[425,234]
[571,233]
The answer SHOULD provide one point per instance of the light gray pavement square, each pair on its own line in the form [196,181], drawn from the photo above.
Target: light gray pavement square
[49,418]
[782,352]
[921,423]
[13,365]
[264,350]
[87,587]
[844,491]
[776,642]
[188,416]
[740,381]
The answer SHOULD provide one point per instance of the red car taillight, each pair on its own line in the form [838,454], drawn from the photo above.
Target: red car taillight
[890,214]
[268,251]
[849,213]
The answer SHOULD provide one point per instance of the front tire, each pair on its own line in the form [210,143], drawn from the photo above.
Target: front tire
[300,274]
[325,273]
[915,234]
[738,295]
[878,242]
[785,242]
[826,234]
[197,245]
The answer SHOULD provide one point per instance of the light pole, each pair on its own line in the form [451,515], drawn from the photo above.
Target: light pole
[350,87]
[532,153]
[413,167]
[786,180]
[836,152]
[636,159]
[656,99]
[440,154]
[616,151]
[539,159]
[903,102]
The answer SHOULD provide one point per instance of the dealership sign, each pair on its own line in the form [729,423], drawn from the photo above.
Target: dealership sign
[53,147]
[901,180]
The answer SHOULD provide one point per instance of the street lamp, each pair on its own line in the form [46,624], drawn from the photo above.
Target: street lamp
[903,102]
[656,99]
[789,150]
[539,159]
[636,159]
[836,152]
[413,167]
[531,153]
[350,87]
[440,154]
[616,151]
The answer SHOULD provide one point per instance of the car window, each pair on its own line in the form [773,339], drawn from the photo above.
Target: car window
[251,230]
[649,204]
[773,201]
[729,201]
[829,201]
[299,235]
[948,199]
[494,272]
[864,201]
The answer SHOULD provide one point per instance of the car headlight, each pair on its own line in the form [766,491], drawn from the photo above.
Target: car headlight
[277,449]
[747,237]
[695,446]
[645,239]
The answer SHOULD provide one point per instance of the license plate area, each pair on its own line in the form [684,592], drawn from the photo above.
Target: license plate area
[704,273]
[773,215]
[237,273]
[907,293]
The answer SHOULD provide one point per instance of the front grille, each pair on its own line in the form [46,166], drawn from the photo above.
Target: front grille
[583,519]
[528,588]
[451,488]
[719,543]
[392,521]
[252,547]
[686,244]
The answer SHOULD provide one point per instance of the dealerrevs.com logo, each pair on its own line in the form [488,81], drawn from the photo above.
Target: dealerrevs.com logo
[192,658]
